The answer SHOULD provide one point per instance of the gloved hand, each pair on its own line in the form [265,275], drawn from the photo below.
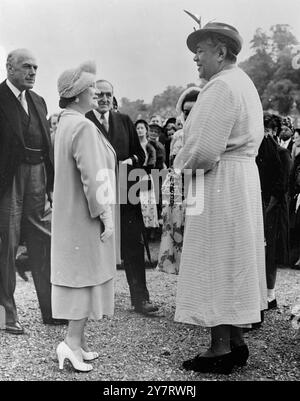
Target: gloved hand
[128,161]
[107,220]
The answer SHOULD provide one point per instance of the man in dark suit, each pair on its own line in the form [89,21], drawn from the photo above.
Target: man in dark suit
[120,131]
[26,177]
[286,137]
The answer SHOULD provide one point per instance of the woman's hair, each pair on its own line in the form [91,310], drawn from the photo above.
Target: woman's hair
[190,97]
[50,118]
[231,45]
[142,122]
[287,121]
[155,128]
[171,120]
[64,101]
[273,122]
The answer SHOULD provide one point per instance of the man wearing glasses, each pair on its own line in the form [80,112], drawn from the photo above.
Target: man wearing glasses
[120,131]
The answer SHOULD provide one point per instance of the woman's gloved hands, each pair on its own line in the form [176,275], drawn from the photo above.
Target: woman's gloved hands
[107,220]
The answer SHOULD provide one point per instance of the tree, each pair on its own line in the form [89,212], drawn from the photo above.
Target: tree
[282,38]
[260,68]
[165,103]
[279,96]
[260,42]
[135,109]
[270,68]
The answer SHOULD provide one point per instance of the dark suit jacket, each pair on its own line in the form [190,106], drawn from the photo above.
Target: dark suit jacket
[160,154]
[12,146]
[290,146]
[270,169]
[122,135]
[124,139]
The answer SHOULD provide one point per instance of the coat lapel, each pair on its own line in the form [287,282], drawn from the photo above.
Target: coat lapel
[113,123]
[94,119]
[9,106]
[42,117]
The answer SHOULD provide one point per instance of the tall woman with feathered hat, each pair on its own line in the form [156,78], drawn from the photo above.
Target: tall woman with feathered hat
[222,282]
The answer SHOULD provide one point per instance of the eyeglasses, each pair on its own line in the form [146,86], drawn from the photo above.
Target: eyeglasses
[101,94]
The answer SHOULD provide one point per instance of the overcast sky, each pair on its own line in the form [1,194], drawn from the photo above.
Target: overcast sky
[139,45]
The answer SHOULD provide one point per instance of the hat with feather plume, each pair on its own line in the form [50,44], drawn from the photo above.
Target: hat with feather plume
[74,81]
[219,28]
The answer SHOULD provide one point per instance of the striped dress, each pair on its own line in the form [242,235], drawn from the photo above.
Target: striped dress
[222,271]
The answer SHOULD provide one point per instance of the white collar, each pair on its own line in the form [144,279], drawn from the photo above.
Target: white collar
[98,115]
[12,87]
[285,144]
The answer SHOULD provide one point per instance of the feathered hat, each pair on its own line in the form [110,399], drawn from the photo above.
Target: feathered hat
[74,81]
[213,27]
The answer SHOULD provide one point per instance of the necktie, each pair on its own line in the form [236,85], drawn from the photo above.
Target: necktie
[23,102]
[104,122]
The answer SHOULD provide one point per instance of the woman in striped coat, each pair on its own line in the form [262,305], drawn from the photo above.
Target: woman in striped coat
[222,283]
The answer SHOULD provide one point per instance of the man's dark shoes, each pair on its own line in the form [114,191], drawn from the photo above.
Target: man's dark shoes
[14,328]
[240,354]
[145,308]
[272,304]
[55,322]
[217,364]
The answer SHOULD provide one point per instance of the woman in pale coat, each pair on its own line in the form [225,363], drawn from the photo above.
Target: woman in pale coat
[222,283]
[83,254]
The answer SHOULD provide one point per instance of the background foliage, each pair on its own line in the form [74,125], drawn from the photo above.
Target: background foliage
[270,68]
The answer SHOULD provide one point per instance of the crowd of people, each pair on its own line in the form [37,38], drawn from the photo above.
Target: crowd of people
[219,182]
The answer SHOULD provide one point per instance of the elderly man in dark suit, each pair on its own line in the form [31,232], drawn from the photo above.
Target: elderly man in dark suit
[120,131]
[26,177]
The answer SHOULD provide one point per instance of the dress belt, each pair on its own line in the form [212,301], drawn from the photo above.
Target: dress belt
[240,158]
[34,156]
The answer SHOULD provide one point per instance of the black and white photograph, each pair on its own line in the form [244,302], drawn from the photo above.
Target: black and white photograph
[149,193]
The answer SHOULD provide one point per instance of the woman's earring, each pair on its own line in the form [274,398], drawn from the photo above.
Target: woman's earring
[77,100]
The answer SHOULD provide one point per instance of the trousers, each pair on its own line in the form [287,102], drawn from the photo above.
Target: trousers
[22,209]
[132,252]
[277,240]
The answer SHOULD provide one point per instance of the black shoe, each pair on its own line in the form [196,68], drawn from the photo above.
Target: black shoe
[14,328]
[218,364]
[272,304]
[55,322]
[240,355]
[145,307]
[296,267]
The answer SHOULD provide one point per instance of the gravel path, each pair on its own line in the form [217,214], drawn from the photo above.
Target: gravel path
[134,347]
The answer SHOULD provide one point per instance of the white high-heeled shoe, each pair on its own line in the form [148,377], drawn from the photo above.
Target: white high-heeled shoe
[63,352]
[89,355]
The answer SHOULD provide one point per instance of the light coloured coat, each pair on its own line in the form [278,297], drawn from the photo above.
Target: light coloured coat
[85,165]
[222,272]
